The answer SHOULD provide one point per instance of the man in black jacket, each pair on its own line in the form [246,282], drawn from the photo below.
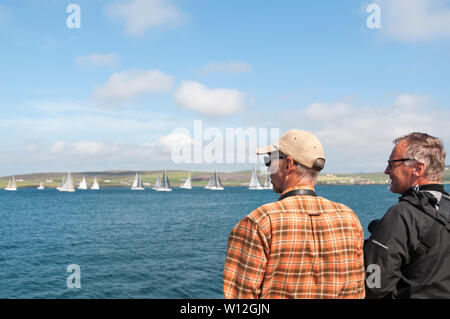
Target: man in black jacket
[408,252]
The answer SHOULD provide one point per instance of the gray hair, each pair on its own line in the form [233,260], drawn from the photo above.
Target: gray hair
[425,149]
[312,173]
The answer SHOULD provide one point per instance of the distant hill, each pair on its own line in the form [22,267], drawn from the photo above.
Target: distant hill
[119,178]
[124,178]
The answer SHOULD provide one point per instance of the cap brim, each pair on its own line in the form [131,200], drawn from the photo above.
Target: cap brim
[266,149]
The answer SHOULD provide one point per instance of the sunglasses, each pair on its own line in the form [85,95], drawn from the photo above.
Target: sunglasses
[390,162]
[268,159]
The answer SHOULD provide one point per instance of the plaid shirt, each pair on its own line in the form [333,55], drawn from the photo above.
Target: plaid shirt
[299,247]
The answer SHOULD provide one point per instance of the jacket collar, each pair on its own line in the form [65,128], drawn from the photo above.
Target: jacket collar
[433,187]
[422,200]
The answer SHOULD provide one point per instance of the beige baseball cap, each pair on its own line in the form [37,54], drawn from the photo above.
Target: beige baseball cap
[303,146]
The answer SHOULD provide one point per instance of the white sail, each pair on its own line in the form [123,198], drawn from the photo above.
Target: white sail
[208,186]
[62,183]
[11,184]
[41,185]
[165,185]
[83,184]
[157,183]
[95,185]
[68,184]
[268,183]
[187,184]
[216,184]
[254,181]
[137,184]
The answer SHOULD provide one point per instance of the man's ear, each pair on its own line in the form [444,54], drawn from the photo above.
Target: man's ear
[419,169]
[289,163]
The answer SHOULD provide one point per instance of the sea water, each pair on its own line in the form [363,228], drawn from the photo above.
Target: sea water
[136,244]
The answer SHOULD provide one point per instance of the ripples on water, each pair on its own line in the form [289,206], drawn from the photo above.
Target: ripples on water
[132,244]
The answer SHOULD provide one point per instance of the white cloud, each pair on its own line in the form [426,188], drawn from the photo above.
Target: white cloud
[175,139]
[94,155]
[58,147]
[120,125]
[415,20]
[125,86]
[80,148]
[411,102]
[197,97]
[59,106]
[369,128]
[326,112]
[140,15]
[97,59]
[359,137]
[88,148]
[233,67]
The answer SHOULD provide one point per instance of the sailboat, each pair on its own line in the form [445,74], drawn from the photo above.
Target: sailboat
[68,185]
[216,184]
[137,184]
[254,181]
[268,183]
[187,184]
[157,183]
[165,185]
[41,185]
[208,186]
[11,185]
[95,185]
[62,183]
[83,184]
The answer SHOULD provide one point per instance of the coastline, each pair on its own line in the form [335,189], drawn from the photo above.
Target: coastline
[125,178]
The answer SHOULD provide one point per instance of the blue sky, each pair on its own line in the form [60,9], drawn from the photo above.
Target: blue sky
[113,93]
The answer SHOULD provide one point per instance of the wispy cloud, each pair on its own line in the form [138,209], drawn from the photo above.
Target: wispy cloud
[5,13]
[174,139]
[197,97]
[140,15]
[98,155]
[92,155]
[231,67]
[76,125]
[97,59]
[123,87]
[411,101]
[415,20]
[60,106]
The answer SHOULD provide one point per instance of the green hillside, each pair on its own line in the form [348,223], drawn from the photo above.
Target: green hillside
[125,178]
[447,175]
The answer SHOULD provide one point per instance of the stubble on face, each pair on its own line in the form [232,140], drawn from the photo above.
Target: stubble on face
[400,174]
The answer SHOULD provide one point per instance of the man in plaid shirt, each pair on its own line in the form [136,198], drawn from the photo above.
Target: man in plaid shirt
[303,245]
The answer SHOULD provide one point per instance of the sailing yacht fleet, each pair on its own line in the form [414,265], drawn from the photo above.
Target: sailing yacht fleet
[162,183]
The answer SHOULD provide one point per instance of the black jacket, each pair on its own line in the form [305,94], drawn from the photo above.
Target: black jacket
[392,247]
